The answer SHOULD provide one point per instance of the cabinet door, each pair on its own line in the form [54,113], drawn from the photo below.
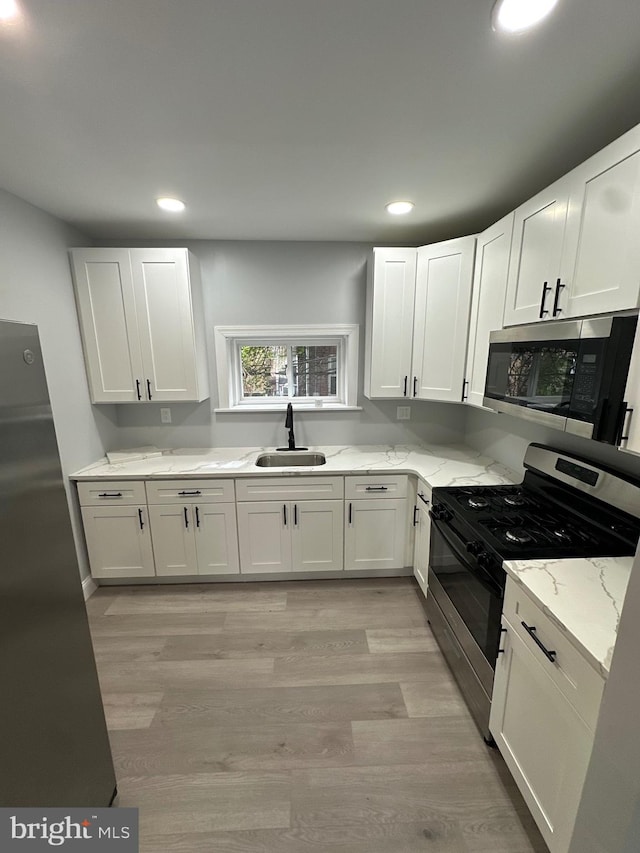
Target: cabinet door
[536,251]
[441,319]
[317,536]
[375,534]
[631,429]
[390,295]
[165,323]
[118,541]
[216,537]
[106,309]
[487,303]
[543,741]
[423,536]
[601,264]
[264,536]
[174,547]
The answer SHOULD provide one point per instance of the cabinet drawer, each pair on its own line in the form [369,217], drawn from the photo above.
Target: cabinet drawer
[112,492]
[290,488]
[190,491]
[387,486]
[578,681]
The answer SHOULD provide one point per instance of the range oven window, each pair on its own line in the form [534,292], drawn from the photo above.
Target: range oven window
[536,375]
[478,604]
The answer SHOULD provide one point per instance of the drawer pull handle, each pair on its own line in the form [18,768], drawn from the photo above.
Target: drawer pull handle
[423,499]
[190,494]
[531,631]
[375,489]
[110,495]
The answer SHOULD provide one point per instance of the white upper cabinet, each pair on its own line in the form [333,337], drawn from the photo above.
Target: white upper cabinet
[142,324]
[390,296]
[601,266]
[417,318]
[536,254]
[441,319]
[575,250]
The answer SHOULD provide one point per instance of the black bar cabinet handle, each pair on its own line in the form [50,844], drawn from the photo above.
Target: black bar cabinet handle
[138,389]
[465,382]
[190,494]
[149,389]
[197,517]
[423,499]
[502,631]
[623,435]
[284,513]
[545,290]
[406,379]
[350,512]
[415,386]
[531,631]
[375,489]
[556,309]
[186,517]
[110,495]
[415,514]
[295,514]
[141,522]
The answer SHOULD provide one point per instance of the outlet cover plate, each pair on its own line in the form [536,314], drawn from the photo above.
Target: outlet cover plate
[165,416]
[404,413]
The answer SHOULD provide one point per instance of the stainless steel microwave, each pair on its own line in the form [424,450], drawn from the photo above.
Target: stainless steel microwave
[567,375]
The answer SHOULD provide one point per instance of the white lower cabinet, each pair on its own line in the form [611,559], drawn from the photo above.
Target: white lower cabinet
[543,714]
[118,541]
[199,539]
[422,525]
[376,523]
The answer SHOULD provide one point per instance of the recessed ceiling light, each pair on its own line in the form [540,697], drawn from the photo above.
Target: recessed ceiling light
[174,205]
[399,207]
[516,16]
[8,10]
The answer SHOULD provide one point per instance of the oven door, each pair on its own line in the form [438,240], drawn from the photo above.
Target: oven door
[467,597]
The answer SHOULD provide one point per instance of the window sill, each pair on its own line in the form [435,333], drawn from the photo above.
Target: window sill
[297,409]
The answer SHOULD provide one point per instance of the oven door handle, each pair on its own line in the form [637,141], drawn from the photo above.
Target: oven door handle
[477,571]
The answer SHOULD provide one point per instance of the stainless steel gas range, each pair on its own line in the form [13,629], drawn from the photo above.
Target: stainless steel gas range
[565,507]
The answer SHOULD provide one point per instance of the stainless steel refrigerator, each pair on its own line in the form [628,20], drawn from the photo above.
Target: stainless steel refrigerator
[54,748]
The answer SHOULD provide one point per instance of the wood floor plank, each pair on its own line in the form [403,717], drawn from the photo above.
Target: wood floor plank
[329,618]
[354,596]
[130,710]
[384,640]
[128,648]
[440,696]
[158,625]
[222,749]
[215,600]
[256,644]
[256,706]
[194,675]
[202,802]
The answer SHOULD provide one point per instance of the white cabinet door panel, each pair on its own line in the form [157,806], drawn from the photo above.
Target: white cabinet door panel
[104,293]
[174,546]
[165,325]
[423,536]
[487,304]
[216,538]
[264,537]
[317,536]
[441,319]
[118,541]
[390,297]
[375,534]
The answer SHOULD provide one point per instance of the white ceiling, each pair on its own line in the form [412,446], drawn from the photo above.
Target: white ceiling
[300,119]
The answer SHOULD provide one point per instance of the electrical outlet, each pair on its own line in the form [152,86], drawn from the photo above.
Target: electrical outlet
[165,416]
[404,413]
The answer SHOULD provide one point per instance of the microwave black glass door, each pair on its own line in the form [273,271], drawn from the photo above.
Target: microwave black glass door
[538,375]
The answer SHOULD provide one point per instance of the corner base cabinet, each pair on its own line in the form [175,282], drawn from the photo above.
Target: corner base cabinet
[543,715]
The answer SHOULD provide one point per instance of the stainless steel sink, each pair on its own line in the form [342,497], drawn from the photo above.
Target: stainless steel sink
[288,459]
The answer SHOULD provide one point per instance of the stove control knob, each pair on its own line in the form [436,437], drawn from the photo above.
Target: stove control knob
[474,548]
[441,513]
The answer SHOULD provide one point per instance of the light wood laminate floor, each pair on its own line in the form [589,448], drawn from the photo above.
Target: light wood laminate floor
[296,717]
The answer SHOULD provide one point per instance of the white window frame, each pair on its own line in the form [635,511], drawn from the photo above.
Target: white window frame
[229,339]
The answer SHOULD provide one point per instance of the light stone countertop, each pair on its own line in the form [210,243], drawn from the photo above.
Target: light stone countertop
[441,465]
[583,597]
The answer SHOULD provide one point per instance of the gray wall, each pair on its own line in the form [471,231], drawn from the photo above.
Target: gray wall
[283,283]
[505,438]
[36,288]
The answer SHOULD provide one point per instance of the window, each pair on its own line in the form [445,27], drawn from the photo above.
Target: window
[266,367]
